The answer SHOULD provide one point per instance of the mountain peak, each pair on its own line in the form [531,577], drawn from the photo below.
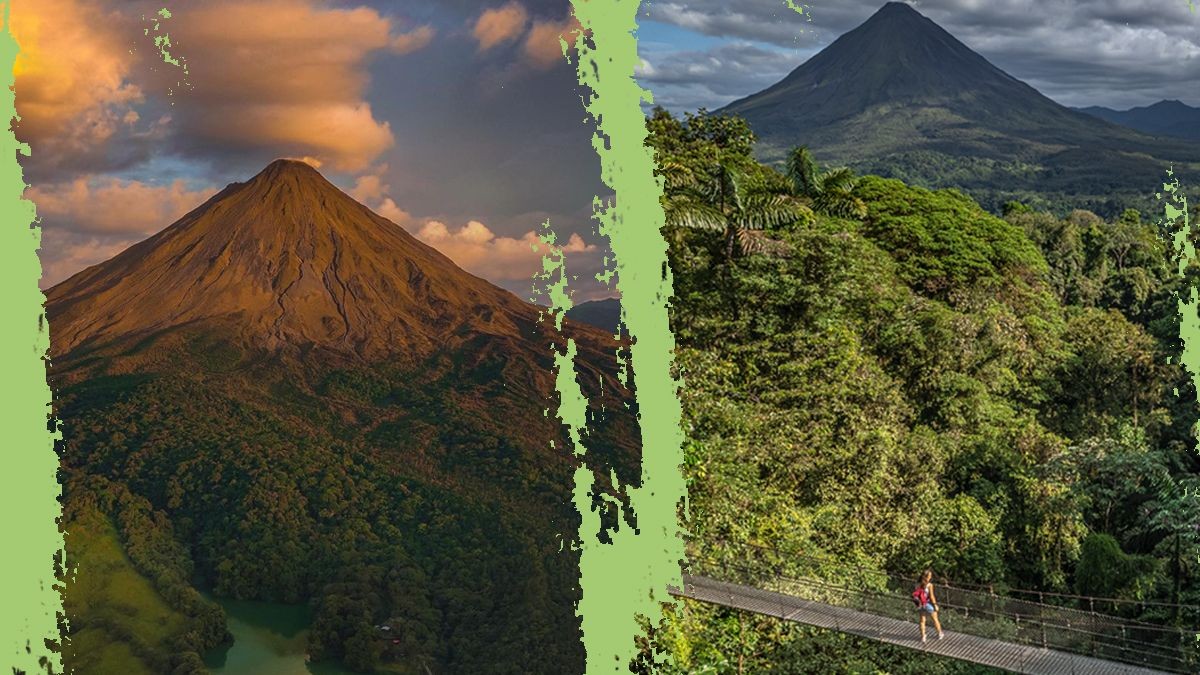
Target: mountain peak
[901,96]
[300,175]
[897,9]
[286,166]
[901,16]
[1173,104]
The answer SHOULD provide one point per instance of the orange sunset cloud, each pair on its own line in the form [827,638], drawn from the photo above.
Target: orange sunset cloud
[289,74]
[543,44]
[499,25]
[72,73]
[479,250]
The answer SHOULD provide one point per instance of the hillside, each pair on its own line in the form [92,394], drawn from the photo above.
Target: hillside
[322,409]
[1165,118]
[605,314]
[900,97]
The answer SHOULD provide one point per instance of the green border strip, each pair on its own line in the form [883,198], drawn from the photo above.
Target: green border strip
[29,488]
[163,45]
[1177,230]
[628,577]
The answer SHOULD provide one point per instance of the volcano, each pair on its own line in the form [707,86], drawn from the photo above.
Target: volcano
[290,261]
[284,396]
[901,97]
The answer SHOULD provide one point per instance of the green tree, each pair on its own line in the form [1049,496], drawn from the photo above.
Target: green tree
[1105,571]
[829,192]
[726,198]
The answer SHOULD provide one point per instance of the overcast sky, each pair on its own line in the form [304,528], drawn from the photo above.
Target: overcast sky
[458,119]
[1117,53]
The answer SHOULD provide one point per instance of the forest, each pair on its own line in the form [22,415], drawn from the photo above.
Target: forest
[886,377]
[434,506]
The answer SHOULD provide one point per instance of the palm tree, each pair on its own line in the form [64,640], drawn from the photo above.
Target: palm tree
[731,201]
[830,192]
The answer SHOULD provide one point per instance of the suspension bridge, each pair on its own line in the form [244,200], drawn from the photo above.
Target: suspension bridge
[1022,631]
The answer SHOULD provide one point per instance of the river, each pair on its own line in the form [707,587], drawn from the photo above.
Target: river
[268,639]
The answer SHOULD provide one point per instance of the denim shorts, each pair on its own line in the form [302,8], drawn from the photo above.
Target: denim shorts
[927,608]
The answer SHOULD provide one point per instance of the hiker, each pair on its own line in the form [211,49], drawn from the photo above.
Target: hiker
[927,603]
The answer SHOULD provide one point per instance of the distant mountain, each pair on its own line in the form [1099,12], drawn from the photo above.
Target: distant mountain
[900,97]
[604,314]
[318,407]
[1165,118]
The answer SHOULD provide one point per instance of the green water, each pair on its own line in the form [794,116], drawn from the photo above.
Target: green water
[268,639]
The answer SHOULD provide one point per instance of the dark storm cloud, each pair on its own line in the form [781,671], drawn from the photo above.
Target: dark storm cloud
[760,20]
[691,79]
[1107,52]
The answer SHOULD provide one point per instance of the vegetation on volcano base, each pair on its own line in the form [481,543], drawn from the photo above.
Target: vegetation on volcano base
[928,384]
[369,526]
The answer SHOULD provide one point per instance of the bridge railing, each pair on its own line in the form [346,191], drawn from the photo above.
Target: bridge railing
[965,610]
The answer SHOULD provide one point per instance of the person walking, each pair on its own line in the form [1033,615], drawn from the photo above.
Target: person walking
[927,604]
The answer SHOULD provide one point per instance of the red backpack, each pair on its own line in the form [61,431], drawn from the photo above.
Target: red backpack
[920,596]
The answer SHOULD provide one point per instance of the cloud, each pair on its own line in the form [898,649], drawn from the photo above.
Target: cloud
[540,39]
[288,77]
[479,250]
[687,80]
[543,43]
[762,21]
[113,206]
[266,78]
[73,74]
[388,209]
[1107,52]
[499,25]
[372,188]
[415,40]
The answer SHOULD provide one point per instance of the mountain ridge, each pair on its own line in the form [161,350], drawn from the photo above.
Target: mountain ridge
[1164,118]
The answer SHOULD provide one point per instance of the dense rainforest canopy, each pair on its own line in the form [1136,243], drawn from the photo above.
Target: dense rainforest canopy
[892,378]
[435,506]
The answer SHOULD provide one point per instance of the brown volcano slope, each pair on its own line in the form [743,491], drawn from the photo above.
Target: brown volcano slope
[289,260]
